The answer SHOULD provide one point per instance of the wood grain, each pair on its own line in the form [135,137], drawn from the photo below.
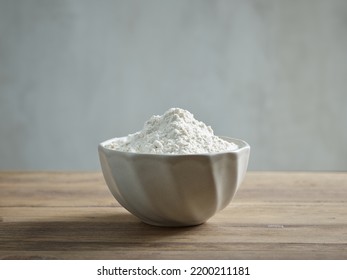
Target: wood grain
[275,215]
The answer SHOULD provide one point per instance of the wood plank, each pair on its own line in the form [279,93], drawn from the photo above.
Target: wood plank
[258,251]
[271,214]
[294,187]
[119,234]
[54,189]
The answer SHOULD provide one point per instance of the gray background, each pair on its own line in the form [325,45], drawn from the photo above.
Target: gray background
[74,73]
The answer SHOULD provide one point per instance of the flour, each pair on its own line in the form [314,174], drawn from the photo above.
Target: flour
[175,132]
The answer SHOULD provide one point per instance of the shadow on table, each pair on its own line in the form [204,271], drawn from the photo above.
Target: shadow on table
[121,232]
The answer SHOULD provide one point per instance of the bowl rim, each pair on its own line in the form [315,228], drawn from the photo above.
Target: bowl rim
[242,145]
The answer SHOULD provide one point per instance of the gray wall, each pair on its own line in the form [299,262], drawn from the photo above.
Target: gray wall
[74,73]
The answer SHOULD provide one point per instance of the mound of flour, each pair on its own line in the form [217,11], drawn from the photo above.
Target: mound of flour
[175,132]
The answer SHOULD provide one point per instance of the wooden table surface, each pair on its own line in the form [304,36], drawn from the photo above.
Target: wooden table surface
[275,215]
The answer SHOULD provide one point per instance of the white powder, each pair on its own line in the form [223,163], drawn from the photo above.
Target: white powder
[175,132]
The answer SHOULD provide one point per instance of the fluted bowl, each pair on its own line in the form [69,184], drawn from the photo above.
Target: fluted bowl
[174,190]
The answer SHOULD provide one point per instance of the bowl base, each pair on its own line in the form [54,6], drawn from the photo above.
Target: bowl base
[172,225]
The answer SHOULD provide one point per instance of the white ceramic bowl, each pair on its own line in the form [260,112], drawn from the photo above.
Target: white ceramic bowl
[174,190]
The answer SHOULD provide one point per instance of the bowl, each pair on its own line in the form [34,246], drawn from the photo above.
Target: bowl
[174,190]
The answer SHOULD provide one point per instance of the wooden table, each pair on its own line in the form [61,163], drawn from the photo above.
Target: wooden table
[52,215]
